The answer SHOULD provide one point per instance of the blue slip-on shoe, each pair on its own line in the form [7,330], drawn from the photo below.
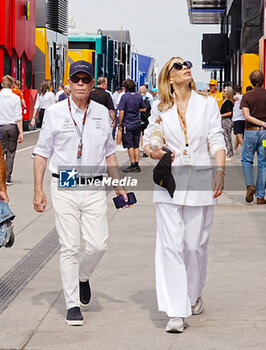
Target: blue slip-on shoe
[84,293]
[74,316]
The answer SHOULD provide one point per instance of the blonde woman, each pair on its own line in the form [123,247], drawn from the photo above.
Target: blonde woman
[227,119]
[191,121]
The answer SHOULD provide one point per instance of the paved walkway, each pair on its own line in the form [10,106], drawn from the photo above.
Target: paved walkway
[123,312]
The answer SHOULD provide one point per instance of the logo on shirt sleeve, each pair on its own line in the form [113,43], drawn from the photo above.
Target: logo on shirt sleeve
[68,178]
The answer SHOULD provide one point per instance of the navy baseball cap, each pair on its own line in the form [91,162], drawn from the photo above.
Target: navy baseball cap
[81,66]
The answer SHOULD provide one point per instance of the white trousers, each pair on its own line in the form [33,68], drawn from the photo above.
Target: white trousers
[181,256]
[79,213]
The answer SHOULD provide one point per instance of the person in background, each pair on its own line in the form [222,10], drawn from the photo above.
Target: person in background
[227,123]
[3,193]
[214,92]
[238,118]
[45,99]
[10,124]
[65,94]
[59,92]
[147,92]
[16,90]
[184,220]
[119,146]
[154,93]
[100,95]
[253,105]
[115,97]
[130,106]
[144,116]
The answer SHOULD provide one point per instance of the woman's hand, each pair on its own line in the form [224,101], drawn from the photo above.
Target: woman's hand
[158,153]
[218,184]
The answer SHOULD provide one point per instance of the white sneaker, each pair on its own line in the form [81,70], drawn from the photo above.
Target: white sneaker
[175,325]
[198,307]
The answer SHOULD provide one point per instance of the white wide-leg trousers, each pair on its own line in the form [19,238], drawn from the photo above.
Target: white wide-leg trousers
[181,256]
[85,213]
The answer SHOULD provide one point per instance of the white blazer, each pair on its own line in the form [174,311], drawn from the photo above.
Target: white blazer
[193,183]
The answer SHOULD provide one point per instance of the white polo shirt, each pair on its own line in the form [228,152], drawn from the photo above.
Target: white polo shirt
[44,101]
[59,139]
[10,107]
[237,112]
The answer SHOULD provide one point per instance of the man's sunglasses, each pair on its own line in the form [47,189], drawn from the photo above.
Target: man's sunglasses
[75,79]
[179,65]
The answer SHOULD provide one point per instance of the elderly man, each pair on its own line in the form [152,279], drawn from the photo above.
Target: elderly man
[214,92]
[10,124]
[76,134]
[253,105]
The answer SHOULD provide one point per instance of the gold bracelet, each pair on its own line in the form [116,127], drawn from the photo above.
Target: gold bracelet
[221,169]
[151,150]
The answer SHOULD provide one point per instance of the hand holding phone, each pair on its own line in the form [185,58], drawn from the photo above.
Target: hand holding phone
[120,202]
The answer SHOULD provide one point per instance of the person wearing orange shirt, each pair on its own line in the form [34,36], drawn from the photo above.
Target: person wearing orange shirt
[16,90]
[214,92]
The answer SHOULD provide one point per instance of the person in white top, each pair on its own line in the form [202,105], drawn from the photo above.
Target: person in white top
[115,98]
[191,124]
[59,92]
[45,99]
[75,135]
[10,124]
[238,118]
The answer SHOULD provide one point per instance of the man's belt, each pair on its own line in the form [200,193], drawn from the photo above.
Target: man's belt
[256,128]
[84,180]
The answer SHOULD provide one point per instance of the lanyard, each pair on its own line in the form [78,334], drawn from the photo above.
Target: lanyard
[80,133]
[183,120]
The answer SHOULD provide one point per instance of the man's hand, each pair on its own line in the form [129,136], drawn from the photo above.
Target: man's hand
[4,196]
[39,201]
[120,191]
[218,184]
[20,138]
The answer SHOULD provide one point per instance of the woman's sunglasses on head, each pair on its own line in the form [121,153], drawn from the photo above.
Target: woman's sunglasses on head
[75,79]
[179,65]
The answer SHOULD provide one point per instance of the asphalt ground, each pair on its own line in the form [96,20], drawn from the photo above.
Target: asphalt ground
[123,311]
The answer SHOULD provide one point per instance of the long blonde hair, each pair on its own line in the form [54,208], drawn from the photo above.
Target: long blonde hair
[229,92]
[165,89]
